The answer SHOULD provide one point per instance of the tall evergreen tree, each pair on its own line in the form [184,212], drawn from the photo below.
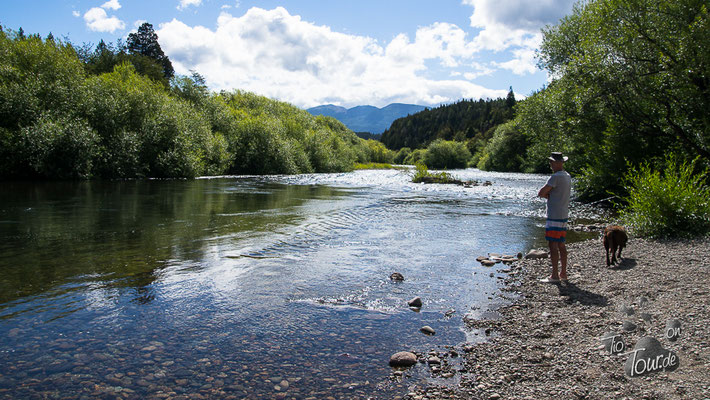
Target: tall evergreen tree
[145,42]
[510,99]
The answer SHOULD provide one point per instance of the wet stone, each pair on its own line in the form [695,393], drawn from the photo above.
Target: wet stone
[403,359]
[415,302]
[427,330]
[396,276]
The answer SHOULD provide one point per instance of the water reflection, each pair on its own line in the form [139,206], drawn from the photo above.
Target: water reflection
[231,286]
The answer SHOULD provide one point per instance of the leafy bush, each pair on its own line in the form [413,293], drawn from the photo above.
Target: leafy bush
[36,76]
[414,157]
[505,151]
[675,203]
[446,154]
[58,148]
[378,153]
[402,155]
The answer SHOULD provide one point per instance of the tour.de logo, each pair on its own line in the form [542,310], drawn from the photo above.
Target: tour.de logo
[648,355]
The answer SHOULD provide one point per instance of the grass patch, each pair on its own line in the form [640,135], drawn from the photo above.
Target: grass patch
[373,165]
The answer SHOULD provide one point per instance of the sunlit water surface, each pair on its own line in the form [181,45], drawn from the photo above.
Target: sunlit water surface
[230,286]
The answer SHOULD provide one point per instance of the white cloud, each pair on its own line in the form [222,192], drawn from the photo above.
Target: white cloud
[111,5]
[276,54]
[523,63]
[228,6]
[97,20]
[76,13]
[187,3]
[513,23]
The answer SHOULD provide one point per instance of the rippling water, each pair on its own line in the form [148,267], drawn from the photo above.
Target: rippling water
[252,287]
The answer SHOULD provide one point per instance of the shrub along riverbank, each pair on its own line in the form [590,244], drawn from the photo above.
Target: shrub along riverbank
[59,122]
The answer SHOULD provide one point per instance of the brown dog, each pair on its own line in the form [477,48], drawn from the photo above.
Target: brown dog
[614,238]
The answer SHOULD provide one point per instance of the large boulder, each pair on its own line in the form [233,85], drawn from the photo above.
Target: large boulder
[403,359]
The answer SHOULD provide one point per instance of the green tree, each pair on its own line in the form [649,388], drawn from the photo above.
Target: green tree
[145,43]
[632,82]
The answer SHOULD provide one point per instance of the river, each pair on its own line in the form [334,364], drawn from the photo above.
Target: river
[249,286]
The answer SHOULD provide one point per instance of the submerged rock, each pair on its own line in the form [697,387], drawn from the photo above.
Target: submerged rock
[428,330]
[396,276]
[415,302]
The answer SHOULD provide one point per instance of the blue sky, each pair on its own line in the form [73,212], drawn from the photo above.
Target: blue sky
[312,52]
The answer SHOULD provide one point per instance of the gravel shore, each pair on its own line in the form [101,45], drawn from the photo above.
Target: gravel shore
[548,342]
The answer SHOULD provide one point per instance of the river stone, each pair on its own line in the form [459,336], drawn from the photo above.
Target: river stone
[403,359]
[646,317]
[536,254]
[415,302]
[488,263]
[428,330]
[628,326]
[610,338]
[673,330]
[396,276]
[481,258]
[434,360]
[649,356]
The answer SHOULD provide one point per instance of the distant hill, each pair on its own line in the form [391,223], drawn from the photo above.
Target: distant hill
[367,118]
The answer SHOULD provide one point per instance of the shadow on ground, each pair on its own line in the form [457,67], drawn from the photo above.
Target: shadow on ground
[579,295]
[624,264]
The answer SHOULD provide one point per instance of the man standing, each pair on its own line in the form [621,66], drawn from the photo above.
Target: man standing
[557,191]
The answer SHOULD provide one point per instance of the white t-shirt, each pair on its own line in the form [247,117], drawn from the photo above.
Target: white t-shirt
[558,202]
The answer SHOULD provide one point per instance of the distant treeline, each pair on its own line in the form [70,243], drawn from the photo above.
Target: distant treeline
[471,121]
[117,112]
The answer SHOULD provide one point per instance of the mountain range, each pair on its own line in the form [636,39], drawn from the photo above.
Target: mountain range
[367,118]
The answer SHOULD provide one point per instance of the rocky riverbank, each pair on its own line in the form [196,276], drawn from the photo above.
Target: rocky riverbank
[547,344]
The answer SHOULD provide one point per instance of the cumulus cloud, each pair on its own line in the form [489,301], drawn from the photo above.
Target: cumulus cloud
[76,13]
[111,5]
[514,25]
[187,3]
[274,53]
[508,23]
[98,20]
[523,62]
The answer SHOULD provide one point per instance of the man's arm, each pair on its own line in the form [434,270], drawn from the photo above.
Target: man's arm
[545,192]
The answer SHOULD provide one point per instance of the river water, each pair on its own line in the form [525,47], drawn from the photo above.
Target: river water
[251,287]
